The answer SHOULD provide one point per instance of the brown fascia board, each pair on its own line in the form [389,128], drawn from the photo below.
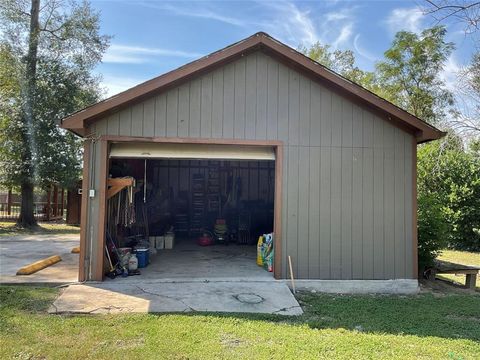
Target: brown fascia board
[423,131]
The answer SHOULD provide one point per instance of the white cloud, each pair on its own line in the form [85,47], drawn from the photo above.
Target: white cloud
[410,19]
[191,9]
[290,23]
[127,54]
[116,84]
[450,73]
[307,25]
[344,36]
[362,51]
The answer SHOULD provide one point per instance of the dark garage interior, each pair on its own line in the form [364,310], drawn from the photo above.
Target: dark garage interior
[198,218]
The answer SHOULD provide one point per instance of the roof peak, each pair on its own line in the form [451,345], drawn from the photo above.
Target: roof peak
[78,121]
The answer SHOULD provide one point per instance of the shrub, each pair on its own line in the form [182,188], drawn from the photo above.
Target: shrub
[431,229]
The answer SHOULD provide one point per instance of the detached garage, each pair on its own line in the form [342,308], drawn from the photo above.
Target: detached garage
[253,139]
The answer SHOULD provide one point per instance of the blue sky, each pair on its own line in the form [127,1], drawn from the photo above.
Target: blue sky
[153,37]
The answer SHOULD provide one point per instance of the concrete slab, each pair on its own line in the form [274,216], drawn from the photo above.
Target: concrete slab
[20,250]
[392,287]
[191,261]
[269,297]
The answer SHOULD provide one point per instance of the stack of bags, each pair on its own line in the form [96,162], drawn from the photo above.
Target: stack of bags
[265,252]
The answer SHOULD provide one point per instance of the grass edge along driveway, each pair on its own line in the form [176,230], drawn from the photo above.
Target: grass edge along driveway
[422,326]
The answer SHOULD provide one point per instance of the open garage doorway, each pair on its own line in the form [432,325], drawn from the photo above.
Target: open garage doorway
[198,209]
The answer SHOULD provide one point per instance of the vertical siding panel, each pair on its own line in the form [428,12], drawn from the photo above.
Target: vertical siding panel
[389,201]
[137,120]
[336,213]
[172,113]
[160,115]
[336,120]
[262,72]
[195,108]
[346,216]
[325,213]
[272,99]
[304,115]
[285,191]
[303,216]
[357,213]
[292,208]
[293,107]
[368,220]
[378,125]
[399,204]
[378,214]
[250,96]
[126,122]
[283,85]
[217,104]
[101,127]
[367,128]
[113,126]
[183,110]
[326,118]
[409,206]
[228,100]
[239,121]
[206,107]
[315,114]
[357,124]
[149,117]
[347,126]
[314,214]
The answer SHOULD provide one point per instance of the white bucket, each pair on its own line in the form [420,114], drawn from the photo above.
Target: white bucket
[169,240]
[160,242]
[152,242]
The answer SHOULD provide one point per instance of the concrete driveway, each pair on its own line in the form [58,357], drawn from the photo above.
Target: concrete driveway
[270,297]
[20,250]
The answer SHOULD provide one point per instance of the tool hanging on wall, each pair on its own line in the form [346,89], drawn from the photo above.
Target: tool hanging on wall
[145,182]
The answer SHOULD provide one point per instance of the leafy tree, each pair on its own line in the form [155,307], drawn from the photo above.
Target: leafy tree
[340,61]
[410,73]
[451,174]
[431,229]
[48,52]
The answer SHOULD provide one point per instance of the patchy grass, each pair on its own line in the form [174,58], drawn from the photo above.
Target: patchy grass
[11,229]
[333,327]
[460,257]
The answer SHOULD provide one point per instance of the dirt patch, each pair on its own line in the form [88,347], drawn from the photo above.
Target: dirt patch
[441,288]
[231,341]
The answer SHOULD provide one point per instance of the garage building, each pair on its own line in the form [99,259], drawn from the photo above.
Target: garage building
[261,139]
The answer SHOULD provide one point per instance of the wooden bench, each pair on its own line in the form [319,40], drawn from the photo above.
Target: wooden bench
[445,267]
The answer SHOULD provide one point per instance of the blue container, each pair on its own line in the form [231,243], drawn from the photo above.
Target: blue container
[142,256]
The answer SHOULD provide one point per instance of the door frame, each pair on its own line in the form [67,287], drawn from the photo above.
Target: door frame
[106,140]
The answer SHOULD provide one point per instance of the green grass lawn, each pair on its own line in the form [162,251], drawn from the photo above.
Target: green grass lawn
[373,327]
[11,229]
[460,257]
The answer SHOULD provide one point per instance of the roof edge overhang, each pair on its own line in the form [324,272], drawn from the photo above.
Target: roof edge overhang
[79,121]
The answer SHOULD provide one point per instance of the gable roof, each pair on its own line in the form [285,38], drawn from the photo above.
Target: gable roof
[423,131]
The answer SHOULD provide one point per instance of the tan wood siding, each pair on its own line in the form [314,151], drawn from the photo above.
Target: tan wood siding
[347,186]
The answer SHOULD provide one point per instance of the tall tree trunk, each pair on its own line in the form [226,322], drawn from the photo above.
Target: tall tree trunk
[27,218]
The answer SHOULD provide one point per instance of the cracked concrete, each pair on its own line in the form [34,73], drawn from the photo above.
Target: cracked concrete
[269,297]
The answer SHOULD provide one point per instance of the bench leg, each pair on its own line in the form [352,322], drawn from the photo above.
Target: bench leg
[470,281]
